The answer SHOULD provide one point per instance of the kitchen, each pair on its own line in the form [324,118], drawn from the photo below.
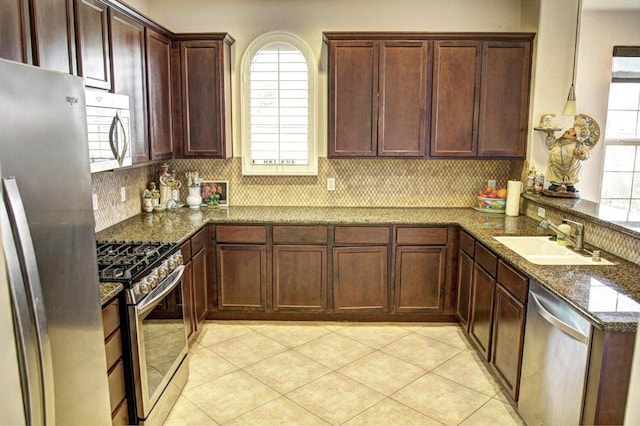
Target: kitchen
[379,182]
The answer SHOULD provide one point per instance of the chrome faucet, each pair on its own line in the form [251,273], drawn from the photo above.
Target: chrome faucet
[576,239]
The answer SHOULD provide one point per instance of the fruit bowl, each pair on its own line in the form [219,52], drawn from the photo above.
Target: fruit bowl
[495,204]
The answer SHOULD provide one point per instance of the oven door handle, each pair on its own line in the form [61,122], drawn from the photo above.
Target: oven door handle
[160,292]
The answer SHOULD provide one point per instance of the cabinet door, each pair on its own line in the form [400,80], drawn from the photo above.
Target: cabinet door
[482,295]
[15,32]
[360,278]
[54,37]
[508,339]
[455,98]
[402,118]
[242,272]
[92,39]
[504,101]
[420,279]
[202,99]
[465,278]
[299,278]
[353,98]
[199,261]
[159,95]
[187,300]
[127,40]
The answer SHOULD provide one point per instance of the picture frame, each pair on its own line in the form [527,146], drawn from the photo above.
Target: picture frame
[220,187]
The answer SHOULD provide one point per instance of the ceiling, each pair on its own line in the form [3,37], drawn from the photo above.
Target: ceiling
[611,4]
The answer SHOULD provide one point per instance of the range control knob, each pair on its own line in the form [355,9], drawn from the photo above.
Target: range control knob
[173,263]
[163,271]
[144,287]
[179,259]
[152,281]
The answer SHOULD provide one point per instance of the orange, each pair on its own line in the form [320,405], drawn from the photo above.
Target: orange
[488,190]
[502,193]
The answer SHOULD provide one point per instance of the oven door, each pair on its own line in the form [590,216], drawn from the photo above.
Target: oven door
[160,343]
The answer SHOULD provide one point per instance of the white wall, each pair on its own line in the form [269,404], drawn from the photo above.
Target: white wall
[247,19]
[600,31]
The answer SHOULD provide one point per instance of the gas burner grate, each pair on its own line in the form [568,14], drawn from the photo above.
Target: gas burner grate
[124,261]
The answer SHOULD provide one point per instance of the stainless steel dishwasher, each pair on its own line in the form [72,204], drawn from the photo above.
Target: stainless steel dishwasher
[554,366]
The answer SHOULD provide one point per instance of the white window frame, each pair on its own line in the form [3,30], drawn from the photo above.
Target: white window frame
[248,168]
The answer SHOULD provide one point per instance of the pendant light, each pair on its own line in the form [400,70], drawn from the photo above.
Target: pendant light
[571,108]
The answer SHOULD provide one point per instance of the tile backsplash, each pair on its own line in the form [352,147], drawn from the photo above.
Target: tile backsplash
[359,183]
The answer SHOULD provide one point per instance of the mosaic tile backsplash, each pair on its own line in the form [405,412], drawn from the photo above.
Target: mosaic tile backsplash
[359,183]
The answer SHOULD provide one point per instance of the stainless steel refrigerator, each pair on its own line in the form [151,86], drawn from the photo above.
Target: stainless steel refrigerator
[52,346]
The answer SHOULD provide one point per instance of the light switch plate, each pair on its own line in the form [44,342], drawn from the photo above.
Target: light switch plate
[492,183]
[123,194]
[331,184]
[94,200]
[542,212]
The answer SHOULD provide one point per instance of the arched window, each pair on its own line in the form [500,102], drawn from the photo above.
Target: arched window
[278,107]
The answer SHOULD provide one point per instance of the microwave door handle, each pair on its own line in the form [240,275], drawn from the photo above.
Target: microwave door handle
[27,291]
[147,305]
[117,129]
[113,137]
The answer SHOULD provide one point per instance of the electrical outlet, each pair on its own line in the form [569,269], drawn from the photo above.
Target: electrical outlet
[331,184]
[491,183]
[123,194]
[94,200]
[542,212]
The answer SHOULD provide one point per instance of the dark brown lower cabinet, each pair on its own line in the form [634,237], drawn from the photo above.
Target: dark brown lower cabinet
[465,281]
[187,301]
[420,278]
[483,291]
[115,364]
[360,278]
[508,339]
[300,278]
[199,266]
[241,277]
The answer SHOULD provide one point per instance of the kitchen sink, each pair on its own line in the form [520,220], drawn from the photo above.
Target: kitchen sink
[544,251]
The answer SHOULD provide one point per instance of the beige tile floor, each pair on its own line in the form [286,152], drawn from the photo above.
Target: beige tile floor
[320,373]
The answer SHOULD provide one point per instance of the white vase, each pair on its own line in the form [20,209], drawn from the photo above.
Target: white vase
[194,199]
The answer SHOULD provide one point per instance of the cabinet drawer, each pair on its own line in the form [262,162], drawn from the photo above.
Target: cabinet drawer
[361,235]
[116,384]
[513,281]
[185,249]
[467,243]
[421,236]
[120,417]
[241,234]
[299,235]
[113,348]
[199,240]
[486,259]
[110,317]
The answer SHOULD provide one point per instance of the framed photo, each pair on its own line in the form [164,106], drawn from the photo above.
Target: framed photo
[220,188]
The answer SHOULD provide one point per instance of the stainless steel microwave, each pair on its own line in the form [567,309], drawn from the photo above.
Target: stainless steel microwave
[108,128]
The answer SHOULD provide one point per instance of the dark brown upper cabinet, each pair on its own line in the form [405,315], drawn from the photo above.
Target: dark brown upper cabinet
[129,77]
[159,95]
[92,43]
[377,97]
[204,95]
[440,95]
[54,35]
[455,98]
[504,101]
[15,34]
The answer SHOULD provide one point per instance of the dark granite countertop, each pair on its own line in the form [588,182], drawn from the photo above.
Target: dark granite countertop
[108,291]
[609,296]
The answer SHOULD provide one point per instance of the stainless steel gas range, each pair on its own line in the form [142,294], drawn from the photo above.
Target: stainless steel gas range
[151,273]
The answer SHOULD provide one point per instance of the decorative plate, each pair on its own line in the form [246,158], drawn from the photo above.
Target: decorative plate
[594,129]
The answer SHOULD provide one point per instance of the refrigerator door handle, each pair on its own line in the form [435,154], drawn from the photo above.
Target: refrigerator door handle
[16,222]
